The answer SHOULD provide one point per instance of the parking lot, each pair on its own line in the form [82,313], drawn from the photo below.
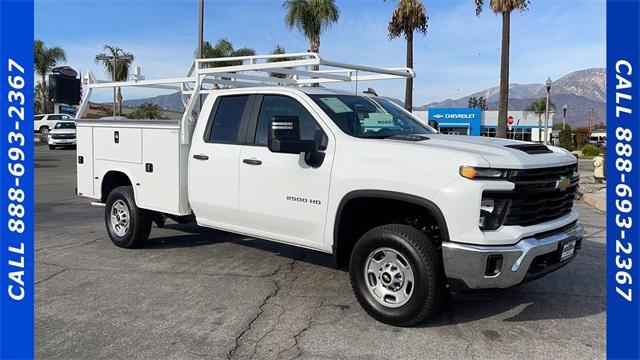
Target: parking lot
[199,293]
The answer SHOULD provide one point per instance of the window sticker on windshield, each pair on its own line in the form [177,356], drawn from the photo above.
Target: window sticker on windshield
[378,121]
[336,105]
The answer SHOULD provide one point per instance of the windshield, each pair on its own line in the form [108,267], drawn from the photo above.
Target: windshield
[370,117]
[65,125]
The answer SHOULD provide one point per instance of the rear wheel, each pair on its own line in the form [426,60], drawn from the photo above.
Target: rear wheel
[396,275]
[128,226]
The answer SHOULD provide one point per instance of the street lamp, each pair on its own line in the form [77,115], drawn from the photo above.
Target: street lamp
[564,116]
[114,60]
[546,110]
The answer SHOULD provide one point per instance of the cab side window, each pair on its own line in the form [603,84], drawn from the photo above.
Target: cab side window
[278,105]
[224,124]
[54,117]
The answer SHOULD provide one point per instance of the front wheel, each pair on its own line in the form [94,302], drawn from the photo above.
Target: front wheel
[52,147]
[396,275]
[128,225]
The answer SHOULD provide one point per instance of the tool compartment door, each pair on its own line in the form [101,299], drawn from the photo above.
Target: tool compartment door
[84,161]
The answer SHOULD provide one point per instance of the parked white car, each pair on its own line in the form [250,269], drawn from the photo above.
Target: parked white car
[62,134]
[45,122]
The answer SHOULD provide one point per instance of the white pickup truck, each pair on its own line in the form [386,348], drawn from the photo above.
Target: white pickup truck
[412,213]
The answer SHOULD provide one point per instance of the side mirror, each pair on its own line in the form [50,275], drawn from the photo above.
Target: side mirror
[434,124]
[284,137]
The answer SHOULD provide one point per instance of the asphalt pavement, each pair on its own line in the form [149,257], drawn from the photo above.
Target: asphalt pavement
[195,293]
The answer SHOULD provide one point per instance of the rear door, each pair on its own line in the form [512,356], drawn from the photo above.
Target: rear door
[281,197]
[214,163]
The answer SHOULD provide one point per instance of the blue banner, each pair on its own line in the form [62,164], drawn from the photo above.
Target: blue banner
[16,179]
[623,180]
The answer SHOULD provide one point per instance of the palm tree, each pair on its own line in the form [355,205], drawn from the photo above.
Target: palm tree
[224,48]
[121,71]
[539,108]
[45,59]
[409,16]
[311,17]
[504,7]
[147,111]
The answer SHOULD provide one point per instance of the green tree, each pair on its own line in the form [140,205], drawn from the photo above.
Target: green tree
[408,17]
[503,7]
[278,51]
[45,59]
[119,72]
[311,17]
[566,138]
[582,136]
[147,111]
[38,101]
[539,108]
[224,48]
[473,102]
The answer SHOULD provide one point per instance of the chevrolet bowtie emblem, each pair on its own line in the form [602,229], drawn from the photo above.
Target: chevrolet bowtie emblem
[563,183]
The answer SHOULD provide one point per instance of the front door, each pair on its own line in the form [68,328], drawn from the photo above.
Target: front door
[280,195]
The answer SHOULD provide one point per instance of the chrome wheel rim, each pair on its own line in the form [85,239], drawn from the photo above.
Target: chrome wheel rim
[120,218]
[389,277]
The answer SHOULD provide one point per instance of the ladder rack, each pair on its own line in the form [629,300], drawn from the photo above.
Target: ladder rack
[207,75]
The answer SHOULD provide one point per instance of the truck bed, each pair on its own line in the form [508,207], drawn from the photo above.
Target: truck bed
[148,152]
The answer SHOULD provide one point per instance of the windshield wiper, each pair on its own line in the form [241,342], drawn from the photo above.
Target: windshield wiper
[409,137]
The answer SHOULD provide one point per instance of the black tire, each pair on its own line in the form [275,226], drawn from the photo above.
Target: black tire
[429,289]
[52,147]
[139,225]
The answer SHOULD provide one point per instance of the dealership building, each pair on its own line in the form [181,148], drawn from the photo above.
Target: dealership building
[475,122]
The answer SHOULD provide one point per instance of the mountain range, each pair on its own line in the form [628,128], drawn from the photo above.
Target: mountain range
[581,91]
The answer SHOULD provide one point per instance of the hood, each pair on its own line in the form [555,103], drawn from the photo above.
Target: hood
[62,131]
[497,152]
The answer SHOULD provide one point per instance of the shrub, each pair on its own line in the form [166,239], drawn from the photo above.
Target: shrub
[566,138]
[590,150]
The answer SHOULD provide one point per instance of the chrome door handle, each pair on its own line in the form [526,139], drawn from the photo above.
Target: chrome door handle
[252,161]
[200,157]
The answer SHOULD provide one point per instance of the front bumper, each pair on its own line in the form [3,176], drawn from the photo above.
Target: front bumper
[61,142]
[466,266]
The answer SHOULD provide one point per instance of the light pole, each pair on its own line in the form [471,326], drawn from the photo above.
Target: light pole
[564,116]
[200,42]
[114,61]
[546,110]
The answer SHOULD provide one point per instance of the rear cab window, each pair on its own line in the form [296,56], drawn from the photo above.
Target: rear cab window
[226,118]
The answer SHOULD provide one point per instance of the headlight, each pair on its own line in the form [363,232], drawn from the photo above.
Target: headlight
[471,172]
[492,212]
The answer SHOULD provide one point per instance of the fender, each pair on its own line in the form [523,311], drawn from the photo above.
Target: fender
[390,195]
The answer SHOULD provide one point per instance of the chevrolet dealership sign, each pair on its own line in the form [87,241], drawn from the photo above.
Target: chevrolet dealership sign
[441,114]
[458,118]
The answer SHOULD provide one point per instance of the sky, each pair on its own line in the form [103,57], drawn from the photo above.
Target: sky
[459,55]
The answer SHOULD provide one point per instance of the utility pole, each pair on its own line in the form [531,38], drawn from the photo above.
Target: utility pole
[114,62]
[200,43]
[546,110]
[564,116]
[591,117]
